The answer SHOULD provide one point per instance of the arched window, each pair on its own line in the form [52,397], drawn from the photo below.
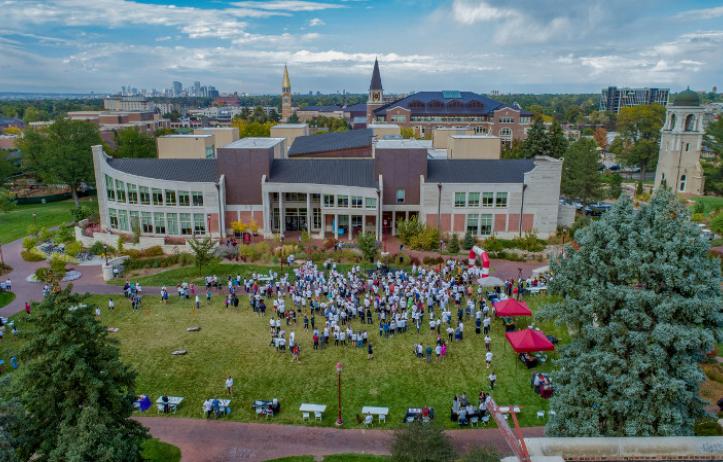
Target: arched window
[434,104]
[474,104]
[690,123]
[506,134]
[672,122]
[454,105]
[416,104]
[682,183]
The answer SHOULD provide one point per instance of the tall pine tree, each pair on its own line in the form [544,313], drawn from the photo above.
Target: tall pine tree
[580,178]
[76,393]
[558,142]
[537,142]
[642,300]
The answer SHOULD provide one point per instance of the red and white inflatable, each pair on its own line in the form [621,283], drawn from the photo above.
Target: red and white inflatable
[478,253]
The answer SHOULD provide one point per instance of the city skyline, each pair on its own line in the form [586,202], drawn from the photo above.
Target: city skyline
[242,46]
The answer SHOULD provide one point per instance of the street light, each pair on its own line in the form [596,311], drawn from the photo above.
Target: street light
[339,420]
[35,220]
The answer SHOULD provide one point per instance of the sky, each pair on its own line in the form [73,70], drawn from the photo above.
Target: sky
[531,46]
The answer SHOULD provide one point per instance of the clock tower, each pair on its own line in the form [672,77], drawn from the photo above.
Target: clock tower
[376,93]
[285,96]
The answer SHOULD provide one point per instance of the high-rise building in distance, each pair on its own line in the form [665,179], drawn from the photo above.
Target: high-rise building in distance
[612,99]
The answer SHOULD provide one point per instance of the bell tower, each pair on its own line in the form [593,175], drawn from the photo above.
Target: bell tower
[285,96]
[376,93]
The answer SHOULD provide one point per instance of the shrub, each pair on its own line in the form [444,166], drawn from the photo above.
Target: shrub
[420,443]
[414,261]
[579,223]
[698,207]
[329,243]
[492,244]
[481,455]
[429,260]
[350,256]
[32,255]
[427,239]
[716,224]
[44,234]
[469,241]
[74,248]
[98,248]
[65,258]
[707,426]
[255,252]
[63,235]
[409,229]
[453,246]
[83,212]
[530,243]
[367,243]
[29,242]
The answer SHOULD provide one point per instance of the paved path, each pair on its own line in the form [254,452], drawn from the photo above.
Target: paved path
[224,441]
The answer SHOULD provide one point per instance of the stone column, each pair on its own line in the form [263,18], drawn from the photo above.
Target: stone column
[335,225]
[323,224]
[394,223]
[309,215]
[364,224]
[282,219]
[349,231]
[267,206]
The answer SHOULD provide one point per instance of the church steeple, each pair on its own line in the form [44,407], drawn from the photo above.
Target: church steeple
[285,96]
[376,92]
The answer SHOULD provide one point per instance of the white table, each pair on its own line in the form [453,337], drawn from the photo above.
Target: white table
[173,403]
[380,412]
[222,403]
[537,289]
[317,409]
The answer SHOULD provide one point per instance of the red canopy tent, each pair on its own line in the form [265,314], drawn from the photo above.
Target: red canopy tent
[528,341]
[512,307]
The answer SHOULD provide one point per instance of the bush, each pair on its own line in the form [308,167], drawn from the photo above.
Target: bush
[367,243]
[421,443]
[29,242]
[98,248]
[492,244]
[481,455]
[255,252]
[716,224]
[83,212]
[579,223]
[707,426]
[350,256]
[427,239]
[530,243]
[32,255]
[432,260]
[453,246]
[63,235]
[409,229]
[469,241]
[74,248]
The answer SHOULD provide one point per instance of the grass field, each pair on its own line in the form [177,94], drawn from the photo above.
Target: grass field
[6,298]
[15,223]
[236,343]
[158,451]
[710,203]
[171,277]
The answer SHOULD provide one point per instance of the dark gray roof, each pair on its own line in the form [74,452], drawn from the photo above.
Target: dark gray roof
[334,141]
[344,172]
[448,102]
[194,170]
[478,171]
[376,83]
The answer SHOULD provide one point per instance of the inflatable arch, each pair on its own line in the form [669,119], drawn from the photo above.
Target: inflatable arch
[475,253]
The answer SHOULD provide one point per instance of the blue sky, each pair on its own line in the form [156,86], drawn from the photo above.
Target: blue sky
[330,45]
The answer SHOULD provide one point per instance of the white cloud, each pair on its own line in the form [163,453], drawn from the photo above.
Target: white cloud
[468,12]
[287,5]
[701,14]
[314,22]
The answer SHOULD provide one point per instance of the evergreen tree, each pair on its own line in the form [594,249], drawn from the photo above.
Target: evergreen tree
[580,178]
[537,142]
[616,186]
[453,246]
[641,298]
[76,393]
[469,241]
[557,140]
[367,243]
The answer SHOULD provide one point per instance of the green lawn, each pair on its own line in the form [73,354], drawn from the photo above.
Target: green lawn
[710,203]
[190,274]
[157,451]
[6,298]
[15,223]
[236,343]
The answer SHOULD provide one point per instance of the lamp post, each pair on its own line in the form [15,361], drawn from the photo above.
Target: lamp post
[35,219]
[339,420]
[522,205]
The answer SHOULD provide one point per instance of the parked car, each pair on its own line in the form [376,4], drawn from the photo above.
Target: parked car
[596,209]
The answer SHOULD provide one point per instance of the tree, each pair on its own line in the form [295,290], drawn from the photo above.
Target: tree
[407,133]
[419,442]
[601,137]
[293,118]
[367,244]
[469,241]
[514,150]
[274,116]
[202,251]
[580,177]
[7,201]
[7,167]
[132,142]
[453,246]
[61,153]
[616,186]
[639,128]
[54,273]
[76,393]
[557,141]
[713,169]
[640,296]
[409,229]
[537,142]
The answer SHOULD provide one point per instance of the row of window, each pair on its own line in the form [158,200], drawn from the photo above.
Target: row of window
[184,224]
[480,224]
[486,199]
[344,201]
[118,191]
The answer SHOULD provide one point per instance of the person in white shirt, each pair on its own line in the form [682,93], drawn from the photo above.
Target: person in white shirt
[488,359]
[488,342]
[229,385]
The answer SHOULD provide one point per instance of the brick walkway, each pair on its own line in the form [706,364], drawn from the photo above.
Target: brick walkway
[224,441]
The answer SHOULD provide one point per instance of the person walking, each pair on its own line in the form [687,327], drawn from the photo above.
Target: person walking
[27,307]
[488,359]
[198,302]
[370,351]
[229,385]
[492,378]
